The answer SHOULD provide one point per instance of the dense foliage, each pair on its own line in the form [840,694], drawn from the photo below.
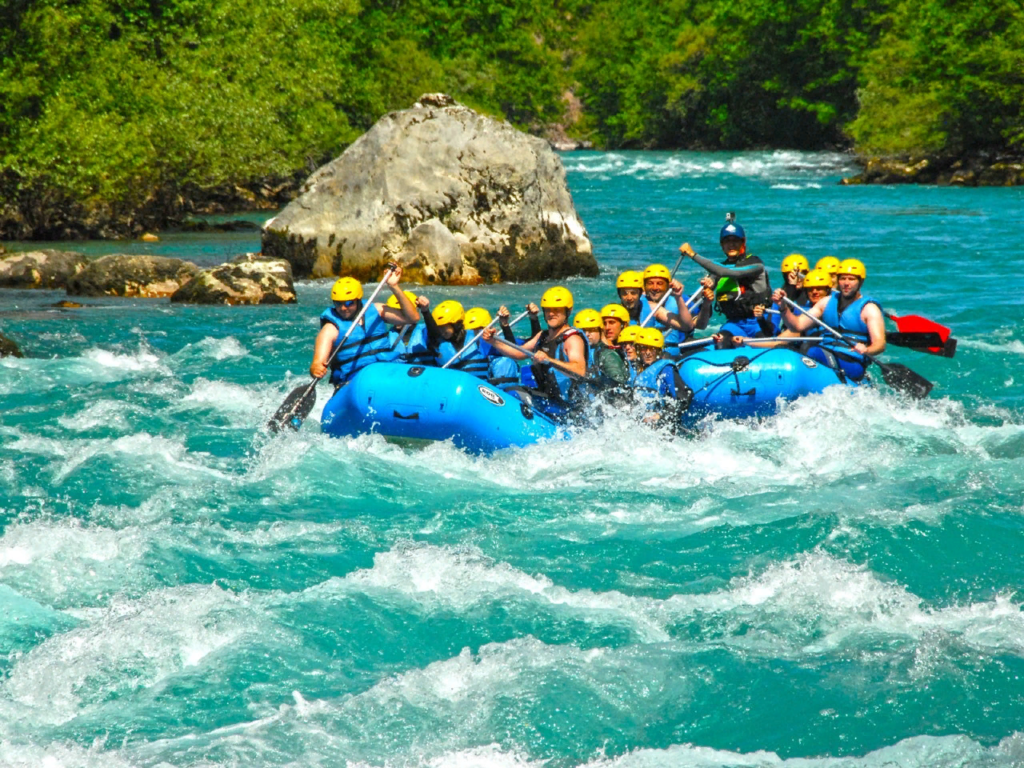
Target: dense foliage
[116,114]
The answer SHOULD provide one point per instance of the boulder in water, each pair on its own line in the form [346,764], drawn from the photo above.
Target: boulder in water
[248,279]
[40,269]
[8,347]
[459,197]
[128,275]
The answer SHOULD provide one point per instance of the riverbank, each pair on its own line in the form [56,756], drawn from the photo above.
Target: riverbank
[982,170]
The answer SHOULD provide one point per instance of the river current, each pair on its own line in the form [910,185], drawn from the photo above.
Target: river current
[839,585]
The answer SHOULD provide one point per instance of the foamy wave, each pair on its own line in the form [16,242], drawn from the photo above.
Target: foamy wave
[222,348]
[663,165]
[230,398]
[915,752]
[1013,346]
[809,606]
[129,645]
[143,361]
[102,414]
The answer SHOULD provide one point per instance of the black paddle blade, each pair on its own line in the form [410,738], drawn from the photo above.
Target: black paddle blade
[901,378]
[294,409]
[914,340]
[949,348]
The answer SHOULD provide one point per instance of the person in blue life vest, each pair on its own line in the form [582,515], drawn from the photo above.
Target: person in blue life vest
[627,344]
[849,312]
[657,382]
[560,351]
[673,319]
[742,282]
[453,328]
[817,285]
[410,342]
[368,341]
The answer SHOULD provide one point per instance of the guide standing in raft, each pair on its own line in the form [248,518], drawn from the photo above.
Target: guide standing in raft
[742,282]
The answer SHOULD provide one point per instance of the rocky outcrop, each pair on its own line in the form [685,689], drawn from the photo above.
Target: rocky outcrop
[248,279]
[8,347]
[40,269]
[460,198]
[982,170]
[132,276]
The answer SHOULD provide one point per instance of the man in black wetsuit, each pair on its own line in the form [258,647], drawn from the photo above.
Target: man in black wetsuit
[742,283]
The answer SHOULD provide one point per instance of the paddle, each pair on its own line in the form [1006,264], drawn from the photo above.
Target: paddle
[915,324]
[476,338]
[896,376]
[300,401]
[919,340]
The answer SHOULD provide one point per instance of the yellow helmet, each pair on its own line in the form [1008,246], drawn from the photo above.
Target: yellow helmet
[651,337]
[477,317]
[853,267]
[393,300]
[830,264]
[617,311]
[630,279]
[817,278]
[629,334]
[587,318]
[657,270]
[795,261]
[448,312]
[556,298]
[346,289]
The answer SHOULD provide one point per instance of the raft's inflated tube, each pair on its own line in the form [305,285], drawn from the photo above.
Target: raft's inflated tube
[748,381]
[425,403]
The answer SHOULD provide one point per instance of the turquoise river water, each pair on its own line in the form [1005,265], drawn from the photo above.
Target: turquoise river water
[839,585]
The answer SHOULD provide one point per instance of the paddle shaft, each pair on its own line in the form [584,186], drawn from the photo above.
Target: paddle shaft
[476,338]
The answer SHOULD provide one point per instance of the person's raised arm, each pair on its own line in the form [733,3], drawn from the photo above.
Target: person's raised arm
[406,314]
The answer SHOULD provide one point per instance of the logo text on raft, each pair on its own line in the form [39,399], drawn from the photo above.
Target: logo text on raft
[491,396]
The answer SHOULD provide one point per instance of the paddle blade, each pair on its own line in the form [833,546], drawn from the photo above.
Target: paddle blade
[294,409]
[918,324]
[901,378]
[914,340]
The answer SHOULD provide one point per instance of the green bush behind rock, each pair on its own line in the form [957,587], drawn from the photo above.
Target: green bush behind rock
[121,115]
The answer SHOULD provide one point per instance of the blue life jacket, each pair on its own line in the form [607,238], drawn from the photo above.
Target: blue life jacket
[475,360]
[550,379]
[849,324]
[656,379]
[672,336]
[411,346]
[367,343]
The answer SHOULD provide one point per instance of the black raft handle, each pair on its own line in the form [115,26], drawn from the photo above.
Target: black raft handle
[410,417]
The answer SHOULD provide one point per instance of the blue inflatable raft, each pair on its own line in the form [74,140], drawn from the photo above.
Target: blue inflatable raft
[417,403]
[749,382]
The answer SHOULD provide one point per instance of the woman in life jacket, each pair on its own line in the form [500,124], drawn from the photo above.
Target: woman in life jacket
[658,384]
[560,351]
[368,340]
[855,316]
[410,342]
[817,286]
[742,282]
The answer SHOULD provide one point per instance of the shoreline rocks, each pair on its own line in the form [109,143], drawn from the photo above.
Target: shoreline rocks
[982,170]
[40,269]
[247,279]
[132,276]
[9,347]
[458,197]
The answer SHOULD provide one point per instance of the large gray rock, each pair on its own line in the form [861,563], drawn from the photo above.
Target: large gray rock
[249,279]
[458,197]
[8,347]
[40,269]
[140,276]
